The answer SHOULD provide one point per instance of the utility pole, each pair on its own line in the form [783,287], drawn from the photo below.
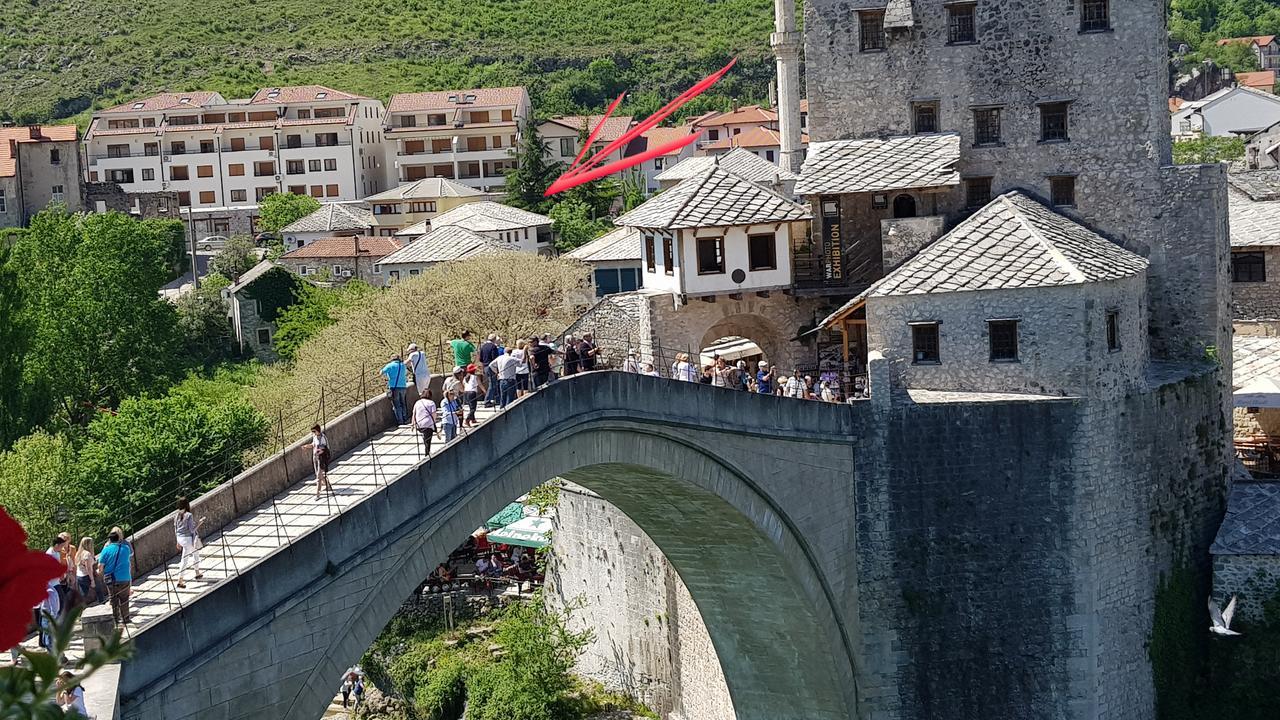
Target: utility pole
[786,47]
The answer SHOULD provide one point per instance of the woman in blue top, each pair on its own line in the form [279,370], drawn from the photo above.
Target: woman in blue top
[397,376]
[451,415]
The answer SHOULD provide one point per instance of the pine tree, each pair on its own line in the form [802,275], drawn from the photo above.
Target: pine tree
[532,175]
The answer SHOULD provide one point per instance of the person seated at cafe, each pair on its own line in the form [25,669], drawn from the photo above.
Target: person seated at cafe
[482,566]
[496,566]
[526,566]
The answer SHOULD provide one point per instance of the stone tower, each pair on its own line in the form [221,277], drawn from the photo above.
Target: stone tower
[786,46]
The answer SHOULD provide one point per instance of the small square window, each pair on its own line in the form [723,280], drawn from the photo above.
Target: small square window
[986,126]
[977,191]
[1002,337]
[1113,330]
[313,165]
[1062,190]
[330,165]
[568,147]
[239,195]
[264,336]
[762,252]
[1095,15]
[871,30]
[1248,267]
[961,23]
[1053,122]
[55,156]
[924,117]
[924,343]
[148,174]
[710,256]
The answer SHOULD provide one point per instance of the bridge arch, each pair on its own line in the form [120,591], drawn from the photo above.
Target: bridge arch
[723,506]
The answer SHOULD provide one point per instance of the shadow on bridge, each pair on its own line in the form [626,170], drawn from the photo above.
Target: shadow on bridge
[750,497]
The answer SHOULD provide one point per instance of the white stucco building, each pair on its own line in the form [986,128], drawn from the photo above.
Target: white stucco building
[218,155]
[717,233]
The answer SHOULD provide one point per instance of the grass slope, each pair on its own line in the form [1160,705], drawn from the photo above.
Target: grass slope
[61,59]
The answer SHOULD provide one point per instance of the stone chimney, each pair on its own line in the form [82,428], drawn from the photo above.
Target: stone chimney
[34,130]
[786,47]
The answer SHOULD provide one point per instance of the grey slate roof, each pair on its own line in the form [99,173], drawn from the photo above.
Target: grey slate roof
[486,216]
[249,276]
[714,197]
[879,165]
[426,188]
[1252,523]
[331,217]
[739,161]
[1258,185]
[450,242]
[621,243]
[1253,224]
[1254,357]
[1014,242]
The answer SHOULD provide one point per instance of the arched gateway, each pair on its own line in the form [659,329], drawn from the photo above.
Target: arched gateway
[749,497]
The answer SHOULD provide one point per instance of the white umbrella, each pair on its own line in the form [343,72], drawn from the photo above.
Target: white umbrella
[1260,393]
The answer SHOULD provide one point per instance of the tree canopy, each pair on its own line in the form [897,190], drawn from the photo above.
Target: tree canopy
[278,210]
[98,329]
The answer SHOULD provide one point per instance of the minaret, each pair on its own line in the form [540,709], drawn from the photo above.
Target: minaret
[786,47]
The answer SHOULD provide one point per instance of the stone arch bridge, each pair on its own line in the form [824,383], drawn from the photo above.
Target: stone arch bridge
[751,498]
[916,555]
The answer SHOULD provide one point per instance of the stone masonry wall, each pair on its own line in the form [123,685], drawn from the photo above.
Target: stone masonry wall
[650,641]
[1061,339]
[1255,577]
[1259,300]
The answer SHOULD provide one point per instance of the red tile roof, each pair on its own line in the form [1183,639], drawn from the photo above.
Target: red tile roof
[655,137]
[345,247]
[164,101]
[1175,104]
[613,129]
[1259,39]
[300,94]
[440,100]
[43,133]
[754,138]
[1264,80]
[741,116]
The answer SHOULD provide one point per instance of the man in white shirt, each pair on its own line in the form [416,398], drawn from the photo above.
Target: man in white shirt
[504,368]
[417,361]
[795,386]
[424,420]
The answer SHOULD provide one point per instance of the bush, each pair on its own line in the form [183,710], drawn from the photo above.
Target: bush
[40,486]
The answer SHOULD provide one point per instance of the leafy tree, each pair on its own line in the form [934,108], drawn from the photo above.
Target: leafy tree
[1207,149]
[203,322]
[15,336]
[40,486]
[313,312]
[574,225]
[235,258]
[533,174]
[280,209]
[100,330]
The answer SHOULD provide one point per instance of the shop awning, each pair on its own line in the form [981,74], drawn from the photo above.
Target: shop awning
[505,516]
[1260,393]
[531,532]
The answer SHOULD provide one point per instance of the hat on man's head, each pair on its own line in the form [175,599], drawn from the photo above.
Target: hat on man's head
[412,347]
[764,363]
[457,369]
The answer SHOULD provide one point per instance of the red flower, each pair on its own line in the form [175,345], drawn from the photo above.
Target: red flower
[24,580]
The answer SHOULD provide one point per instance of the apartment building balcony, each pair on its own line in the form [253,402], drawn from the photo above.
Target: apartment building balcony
[427,157]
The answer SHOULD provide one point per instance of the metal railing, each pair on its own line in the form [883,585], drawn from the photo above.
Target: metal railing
[352,393]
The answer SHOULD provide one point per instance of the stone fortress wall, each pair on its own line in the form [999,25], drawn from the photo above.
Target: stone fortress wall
[975,514]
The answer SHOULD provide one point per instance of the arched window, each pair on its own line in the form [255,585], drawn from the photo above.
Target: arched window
[904,206]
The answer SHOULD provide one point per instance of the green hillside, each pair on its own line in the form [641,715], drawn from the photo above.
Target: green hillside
[61,59]
[1200,23]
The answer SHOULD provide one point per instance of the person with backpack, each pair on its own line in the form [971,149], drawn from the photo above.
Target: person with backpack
[186,530]
[116,561]
[397,376]
[419,370]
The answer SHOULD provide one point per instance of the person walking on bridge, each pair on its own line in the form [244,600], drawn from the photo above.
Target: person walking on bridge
[540,361]
[424,420]
[503,370]
[463,349]
[421,371]
[397,376]
[489,351]
[186,530]
[116,562]
[320,457]
[764,379]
